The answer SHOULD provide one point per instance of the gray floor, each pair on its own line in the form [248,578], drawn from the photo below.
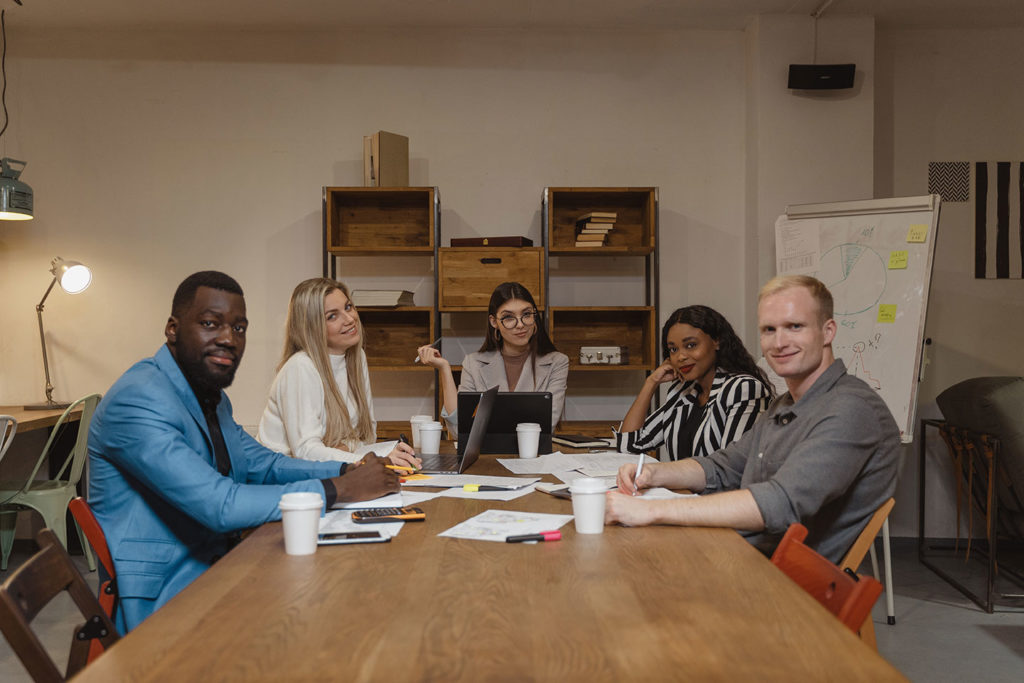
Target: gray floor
[939,635]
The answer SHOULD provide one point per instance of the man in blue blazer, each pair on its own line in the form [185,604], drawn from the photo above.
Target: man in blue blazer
[173,478]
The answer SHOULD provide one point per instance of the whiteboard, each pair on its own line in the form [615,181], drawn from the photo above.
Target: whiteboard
[875,256]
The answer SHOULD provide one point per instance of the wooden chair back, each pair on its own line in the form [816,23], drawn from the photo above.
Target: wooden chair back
[855,555]
[107,598]
[842,592]
[30,588]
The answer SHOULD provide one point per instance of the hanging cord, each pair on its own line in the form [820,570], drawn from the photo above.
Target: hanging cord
[3,70]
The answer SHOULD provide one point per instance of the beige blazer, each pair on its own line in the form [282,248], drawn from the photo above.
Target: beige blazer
[484,369]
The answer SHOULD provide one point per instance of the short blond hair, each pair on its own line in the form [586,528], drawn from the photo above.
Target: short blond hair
[817,289]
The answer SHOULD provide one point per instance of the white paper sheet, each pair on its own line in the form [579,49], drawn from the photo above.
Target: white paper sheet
[488,495]
[417,497]
[392,500]
[449,480]
[554,463]
[496,525]
[340,521]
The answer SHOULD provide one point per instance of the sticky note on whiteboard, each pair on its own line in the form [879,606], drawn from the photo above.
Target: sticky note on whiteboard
[917,233]
[897,260]
[887,313]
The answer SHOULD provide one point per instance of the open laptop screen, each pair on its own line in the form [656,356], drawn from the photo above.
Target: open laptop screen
[510,408]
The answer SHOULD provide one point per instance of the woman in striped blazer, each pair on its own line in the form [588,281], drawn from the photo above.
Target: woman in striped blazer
[716,395]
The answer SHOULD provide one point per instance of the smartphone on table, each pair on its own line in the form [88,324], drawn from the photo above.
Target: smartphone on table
[344,537]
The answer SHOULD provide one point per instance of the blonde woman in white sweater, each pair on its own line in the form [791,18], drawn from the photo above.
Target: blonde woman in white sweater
[320,406]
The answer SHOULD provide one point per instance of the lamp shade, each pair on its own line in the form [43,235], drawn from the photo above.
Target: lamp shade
[72,276]
[16,198]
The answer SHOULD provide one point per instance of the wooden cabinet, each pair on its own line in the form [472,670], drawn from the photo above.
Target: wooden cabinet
[468,275]
[635,224]
[632,328]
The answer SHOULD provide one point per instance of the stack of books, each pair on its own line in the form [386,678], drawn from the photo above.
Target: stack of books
[592,228]
[381,297]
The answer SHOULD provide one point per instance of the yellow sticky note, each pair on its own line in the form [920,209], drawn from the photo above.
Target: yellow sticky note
[897,259]
[887,313]
[917,233]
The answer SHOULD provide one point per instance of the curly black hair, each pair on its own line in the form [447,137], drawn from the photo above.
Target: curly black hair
[731,356]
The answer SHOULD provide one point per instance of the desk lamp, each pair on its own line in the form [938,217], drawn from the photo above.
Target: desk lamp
[73,278]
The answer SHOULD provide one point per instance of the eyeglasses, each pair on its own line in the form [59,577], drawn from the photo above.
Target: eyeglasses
[509,321]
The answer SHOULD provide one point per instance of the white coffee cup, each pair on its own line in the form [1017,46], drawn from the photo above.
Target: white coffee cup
[300,515]
[414,426]
[588,504]
[528,435]
[430,438]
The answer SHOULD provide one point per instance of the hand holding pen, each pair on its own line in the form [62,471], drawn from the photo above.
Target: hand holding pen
[404,456]
[427,353]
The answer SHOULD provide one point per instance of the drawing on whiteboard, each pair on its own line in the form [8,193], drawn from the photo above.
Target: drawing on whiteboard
[856,276]
[858,368]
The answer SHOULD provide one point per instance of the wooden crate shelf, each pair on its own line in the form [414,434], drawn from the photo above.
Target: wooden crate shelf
[467,275]
[633,327]
[392,335]
[362,221]
[634,231]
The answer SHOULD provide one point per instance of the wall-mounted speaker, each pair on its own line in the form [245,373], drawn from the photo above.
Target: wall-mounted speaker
[821,76]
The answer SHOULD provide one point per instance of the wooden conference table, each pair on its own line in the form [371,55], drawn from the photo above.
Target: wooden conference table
[650,604]
[37,419]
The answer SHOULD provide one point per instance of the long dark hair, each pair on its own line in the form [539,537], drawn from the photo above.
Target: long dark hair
[731,356]
[540,343]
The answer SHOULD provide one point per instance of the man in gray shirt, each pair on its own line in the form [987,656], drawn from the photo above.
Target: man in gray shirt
[825,454]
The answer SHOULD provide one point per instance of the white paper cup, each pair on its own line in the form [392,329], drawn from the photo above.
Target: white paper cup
[588,504]
[414,426]
[300,516]
[528,435]
[430,438]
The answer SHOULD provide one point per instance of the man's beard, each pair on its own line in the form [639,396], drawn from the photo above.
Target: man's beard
[199,375]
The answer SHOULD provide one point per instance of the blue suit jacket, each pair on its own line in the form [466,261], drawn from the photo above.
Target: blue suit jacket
[153,483]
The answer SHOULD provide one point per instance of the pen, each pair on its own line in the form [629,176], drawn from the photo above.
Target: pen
[478,487]
[401,468]
[433,343]
[542,537]
[639,469]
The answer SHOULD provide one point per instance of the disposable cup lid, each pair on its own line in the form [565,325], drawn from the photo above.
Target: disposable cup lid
[527,427]
[588,485]
[421,418]
[429,426]
[302,500]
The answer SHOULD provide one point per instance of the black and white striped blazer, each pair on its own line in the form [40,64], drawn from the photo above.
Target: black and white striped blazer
[733,406]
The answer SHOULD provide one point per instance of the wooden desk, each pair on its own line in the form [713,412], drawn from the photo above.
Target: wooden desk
[37,419]
[631,604]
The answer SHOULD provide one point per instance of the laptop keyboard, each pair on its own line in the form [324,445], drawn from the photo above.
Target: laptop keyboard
[440,462]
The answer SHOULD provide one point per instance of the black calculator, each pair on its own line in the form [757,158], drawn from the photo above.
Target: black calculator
[376,515]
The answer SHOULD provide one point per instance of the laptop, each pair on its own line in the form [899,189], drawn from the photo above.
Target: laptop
[457,464]
[510,408]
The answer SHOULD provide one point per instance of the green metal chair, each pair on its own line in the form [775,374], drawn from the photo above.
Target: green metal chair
[49,497]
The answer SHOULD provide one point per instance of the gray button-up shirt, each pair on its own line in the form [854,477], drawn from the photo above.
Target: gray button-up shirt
[827,461]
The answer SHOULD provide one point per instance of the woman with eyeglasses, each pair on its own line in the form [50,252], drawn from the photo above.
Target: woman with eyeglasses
[517,355]
[717,390]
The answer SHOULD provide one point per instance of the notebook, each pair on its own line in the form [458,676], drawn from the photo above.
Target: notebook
[446,464]
[510,408]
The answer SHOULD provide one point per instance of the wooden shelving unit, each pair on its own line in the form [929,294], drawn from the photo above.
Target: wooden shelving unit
[634,327]
[386,222]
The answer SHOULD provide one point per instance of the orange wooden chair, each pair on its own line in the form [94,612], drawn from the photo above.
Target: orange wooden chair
[29,589]
[848,596]
[87,522]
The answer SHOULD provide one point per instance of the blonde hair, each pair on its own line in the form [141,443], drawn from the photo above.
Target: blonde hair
[306,330]
[815,287]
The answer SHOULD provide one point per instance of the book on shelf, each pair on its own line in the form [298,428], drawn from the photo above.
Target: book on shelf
[594,227]
[579,441]
[598,217]
[580,243]
[591,237]
[503,241]
[382,297]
